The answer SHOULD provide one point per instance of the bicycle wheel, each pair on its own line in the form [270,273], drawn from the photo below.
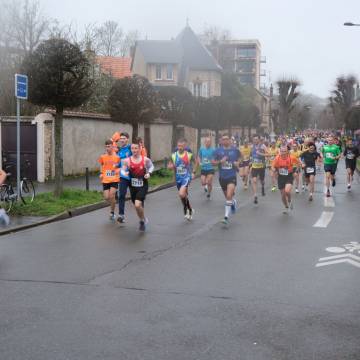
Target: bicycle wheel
[27,191]
[7,197]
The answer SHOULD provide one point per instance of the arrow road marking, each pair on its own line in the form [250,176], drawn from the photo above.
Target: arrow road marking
[349,261]
[329,202]
[354,257]
[324,219]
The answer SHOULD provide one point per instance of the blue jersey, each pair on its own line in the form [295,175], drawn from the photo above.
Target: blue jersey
[206,155]
[182,165]
[123,153]
[227,170]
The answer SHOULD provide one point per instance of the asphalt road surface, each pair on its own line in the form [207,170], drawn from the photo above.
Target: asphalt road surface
[268,286]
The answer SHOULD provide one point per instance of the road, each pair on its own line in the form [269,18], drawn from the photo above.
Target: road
[266,287]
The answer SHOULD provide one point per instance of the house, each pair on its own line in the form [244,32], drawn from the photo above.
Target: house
[183,61]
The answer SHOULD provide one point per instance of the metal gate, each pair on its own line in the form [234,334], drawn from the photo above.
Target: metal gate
[28,154]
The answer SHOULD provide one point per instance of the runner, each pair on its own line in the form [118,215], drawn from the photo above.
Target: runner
[181,163]
[244,170]
[271,154]
[227,158]
[109,175]
[331,153]
[138,168]
[204,160]
[143,150]
[258,153]
[284,164]
[4,218]
[308,160]
[351,153]
[296,152]
[123,153]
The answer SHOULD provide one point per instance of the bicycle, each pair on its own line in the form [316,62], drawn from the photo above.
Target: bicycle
[8,195]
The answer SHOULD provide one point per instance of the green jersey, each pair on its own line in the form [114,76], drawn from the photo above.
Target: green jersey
[330,152]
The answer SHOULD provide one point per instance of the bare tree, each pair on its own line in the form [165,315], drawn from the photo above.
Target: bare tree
[109,38]
[214,34]
[128,41]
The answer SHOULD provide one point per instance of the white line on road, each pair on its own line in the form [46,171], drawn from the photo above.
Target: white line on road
[354,257]
[349,261]
[324,219]
[329,202]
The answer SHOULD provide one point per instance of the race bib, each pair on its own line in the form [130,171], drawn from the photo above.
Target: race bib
[227,165]
[205,161]
[135,182]
[329,156]
[181,170]
[110,173]
[283,171]
[310,170]
[350,156]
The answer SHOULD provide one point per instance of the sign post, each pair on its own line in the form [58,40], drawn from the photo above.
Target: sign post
[21,93]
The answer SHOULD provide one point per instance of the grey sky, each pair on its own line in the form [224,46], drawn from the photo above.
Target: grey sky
[304,38]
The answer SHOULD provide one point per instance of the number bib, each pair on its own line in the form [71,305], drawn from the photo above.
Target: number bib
[329,155]
[205,161]
[310,170]
[135,182]
[227,166]
[110,173]
[283,171]
[257,164]
[350,156]
[181,170]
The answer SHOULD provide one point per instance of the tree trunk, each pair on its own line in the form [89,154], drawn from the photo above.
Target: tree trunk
[216,137]
[135,132]
[59,162]
[198,141]
[249,132]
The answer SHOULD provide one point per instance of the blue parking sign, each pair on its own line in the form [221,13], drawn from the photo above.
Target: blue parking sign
[21,86]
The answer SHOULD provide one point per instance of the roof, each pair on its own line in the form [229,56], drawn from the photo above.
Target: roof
[196,56]
[118,67]
[160,51]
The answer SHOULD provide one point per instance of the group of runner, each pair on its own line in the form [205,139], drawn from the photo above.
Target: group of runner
[289,159]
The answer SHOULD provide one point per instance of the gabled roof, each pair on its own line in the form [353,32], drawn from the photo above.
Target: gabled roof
[160,51]
[118,67]
[195,54]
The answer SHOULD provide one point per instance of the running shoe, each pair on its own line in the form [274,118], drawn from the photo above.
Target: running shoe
[297,190]
[303,188]
[245,187]
[291,205]
[286,210]
[208,195]
[233,207]
[121,219]
[333,182]
[191,214]
[4,218]
[328,193]
[206,188]
[273,189]
[255,200]
[225,220]
[349,186]
[112,217]
[142,224]
[311,197]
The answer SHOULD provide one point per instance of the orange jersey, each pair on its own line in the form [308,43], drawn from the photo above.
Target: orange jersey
[109,168]
[143,151]
[288,163]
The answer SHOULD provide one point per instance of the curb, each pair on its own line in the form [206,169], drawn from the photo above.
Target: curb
[75,212]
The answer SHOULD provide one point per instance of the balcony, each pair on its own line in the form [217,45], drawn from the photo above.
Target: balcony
[263,59]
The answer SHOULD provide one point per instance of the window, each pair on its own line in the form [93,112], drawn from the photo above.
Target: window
[197,89]
[246,52]
[247,79]
[169,72]
[246,66]
[158,72]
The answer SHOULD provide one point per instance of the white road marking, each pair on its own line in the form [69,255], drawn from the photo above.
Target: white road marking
[335,249]
[324,219]
[354,257]
[329,202]
[349,261]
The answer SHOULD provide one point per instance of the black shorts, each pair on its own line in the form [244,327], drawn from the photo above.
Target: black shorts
[107,186]
[207,172]
[285,179]
[258,173]
[139,193]
[350,164]
[331,168]
[224,182]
